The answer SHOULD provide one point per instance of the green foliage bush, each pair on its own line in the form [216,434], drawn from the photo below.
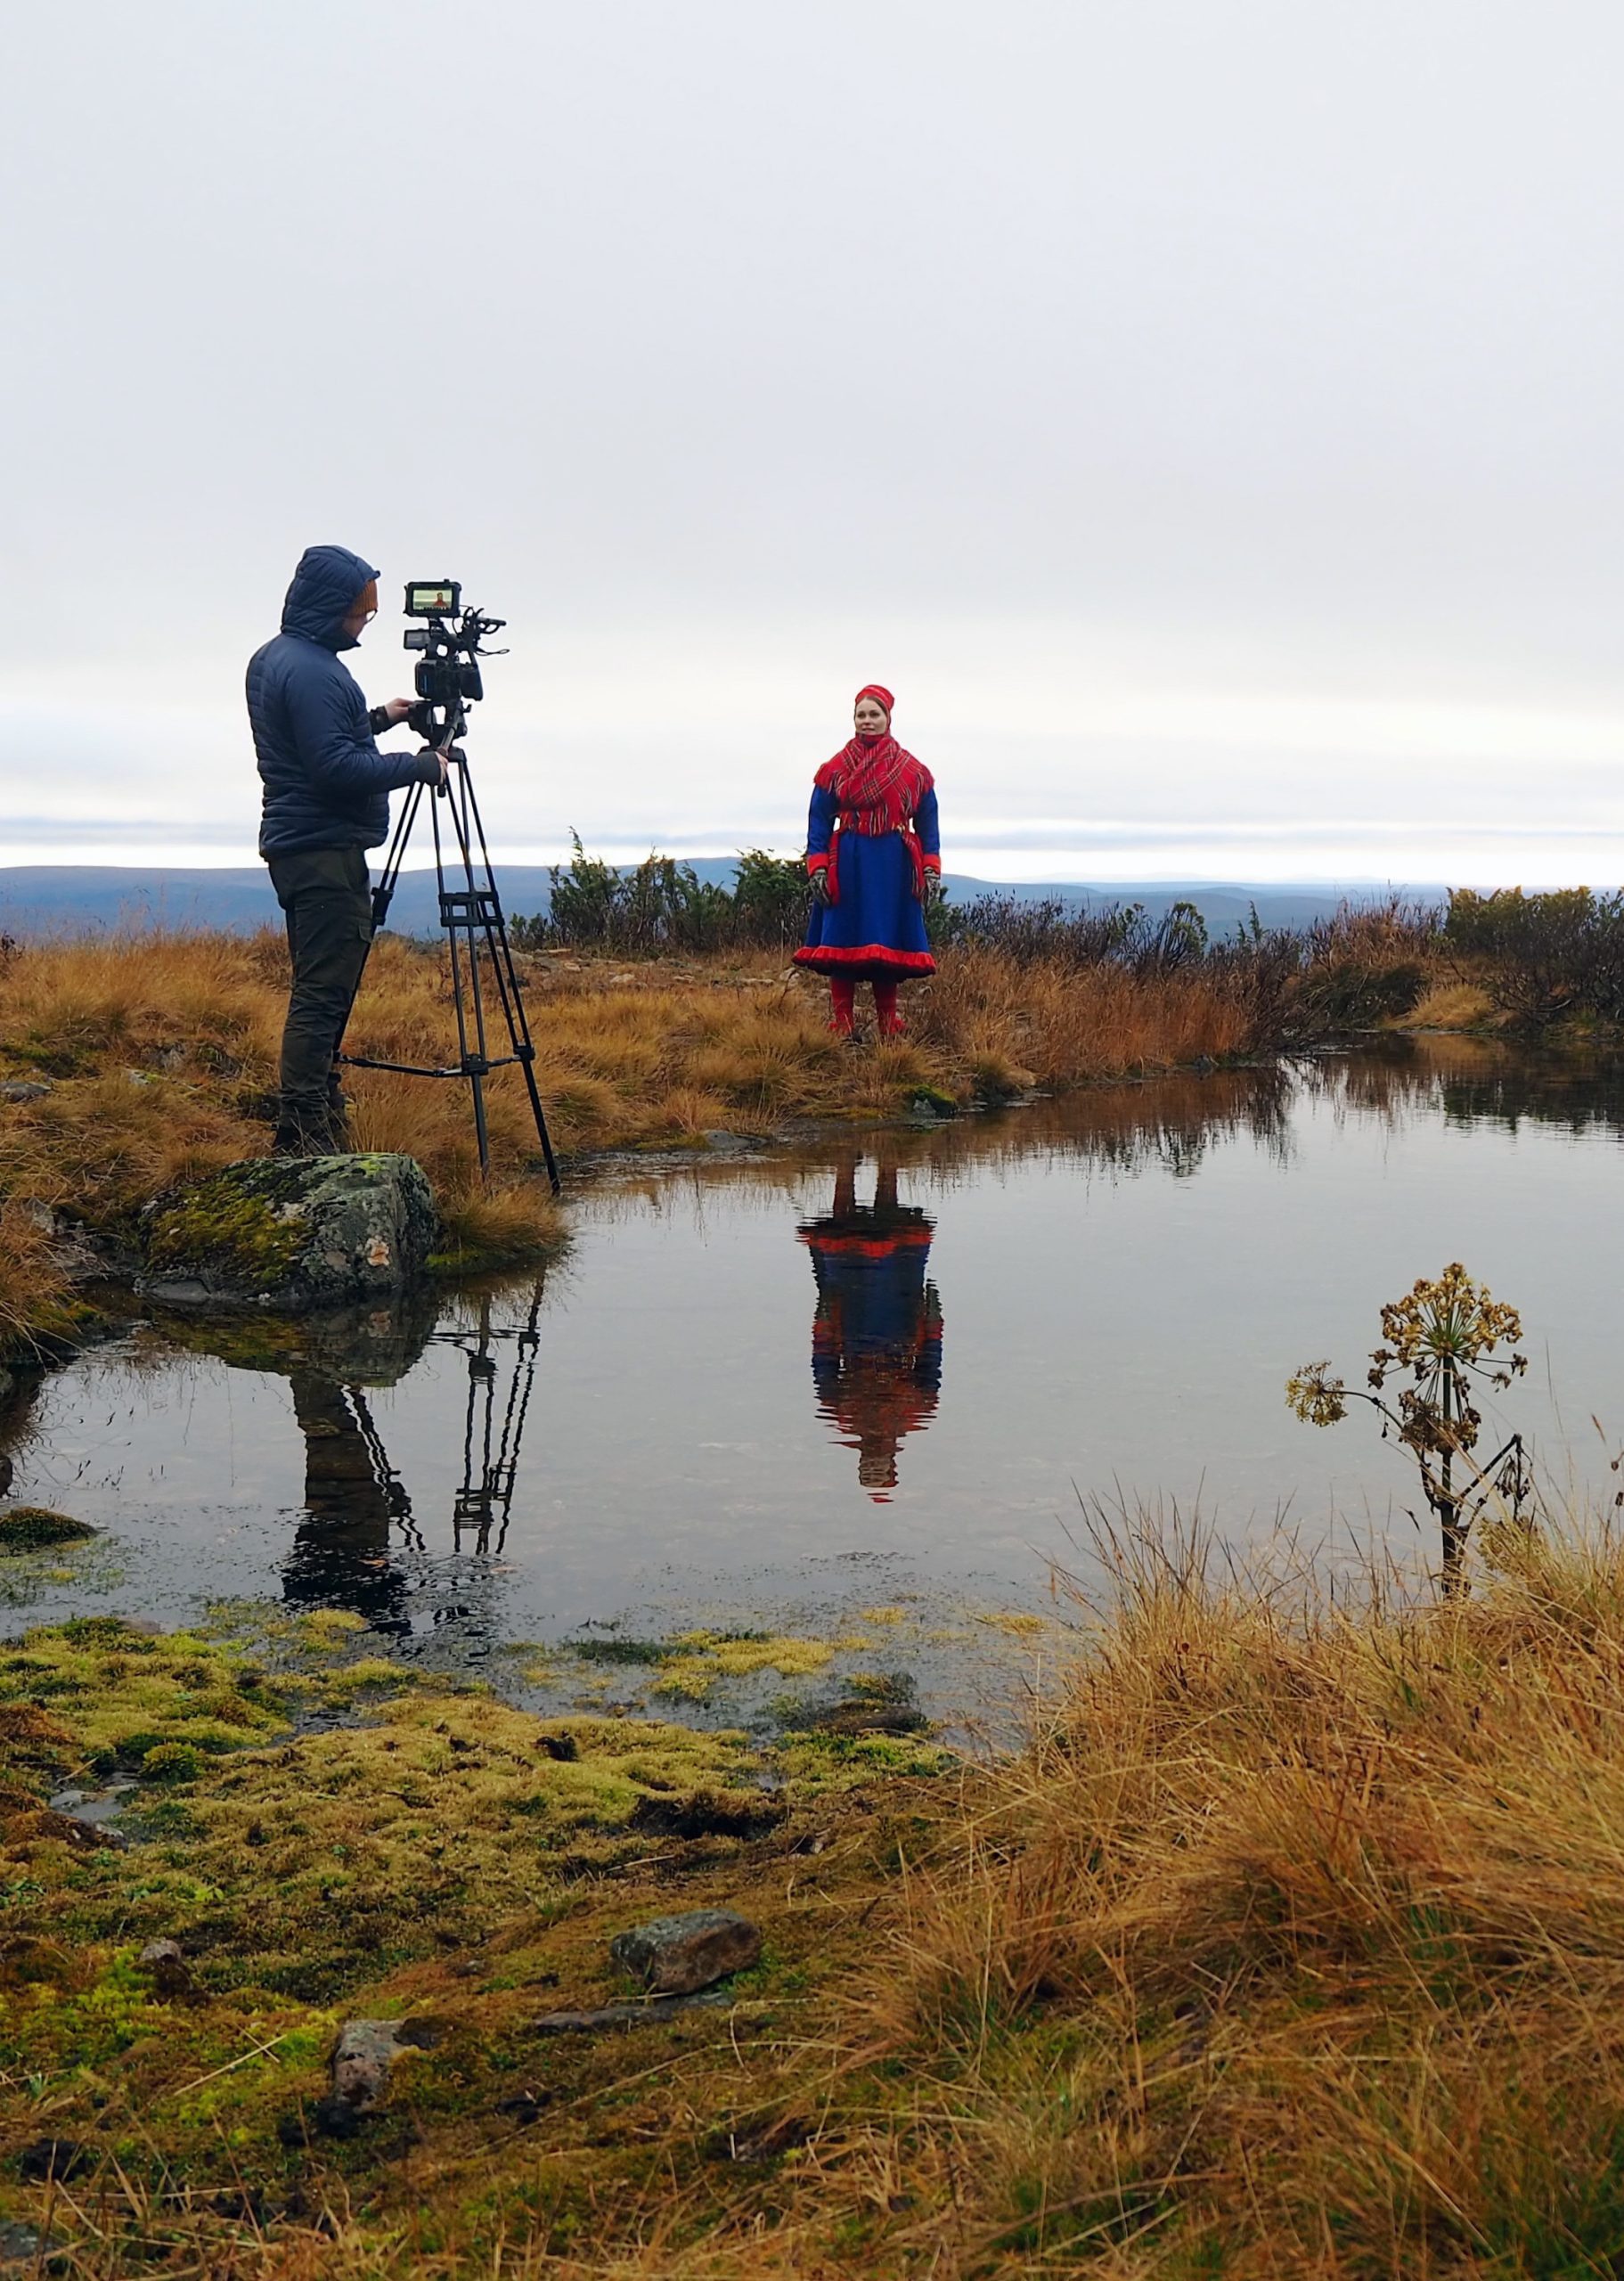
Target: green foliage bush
[661,905]
[1543,956]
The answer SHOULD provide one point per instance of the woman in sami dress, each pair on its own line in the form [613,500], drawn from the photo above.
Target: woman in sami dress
[874,854]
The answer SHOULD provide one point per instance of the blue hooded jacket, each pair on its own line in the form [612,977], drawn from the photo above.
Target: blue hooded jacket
[326,783]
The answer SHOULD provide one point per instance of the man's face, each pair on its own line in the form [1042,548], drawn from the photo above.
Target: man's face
[363,610]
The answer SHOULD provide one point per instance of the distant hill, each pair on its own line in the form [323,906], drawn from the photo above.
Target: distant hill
[72,899]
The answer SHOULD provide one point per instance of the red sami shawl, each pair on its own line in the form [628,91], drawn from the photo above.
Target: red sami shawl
[877,785]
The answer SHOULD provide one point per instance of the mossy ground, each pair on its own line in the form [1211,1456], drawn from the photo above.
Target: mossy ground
[328,1836]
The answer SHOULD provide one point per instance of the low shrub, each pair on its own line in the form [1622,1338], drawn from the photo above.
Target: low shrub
[1542,956]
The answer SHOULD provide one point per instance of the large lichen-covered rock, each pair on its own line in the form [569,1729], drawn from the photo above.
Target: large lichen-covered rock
[312,1232]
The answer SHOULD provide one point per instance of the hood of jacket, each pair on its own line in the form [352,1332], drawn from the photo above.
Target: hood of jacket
[323,593]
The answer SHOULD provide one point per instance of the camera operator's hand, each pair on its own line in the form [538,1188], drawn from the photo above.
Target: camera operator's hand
[382,718]
[441,770]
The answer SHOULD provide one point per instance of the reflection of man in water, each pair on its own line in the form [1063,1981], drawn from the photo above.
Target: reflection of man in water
[340,1554]
[877,1336]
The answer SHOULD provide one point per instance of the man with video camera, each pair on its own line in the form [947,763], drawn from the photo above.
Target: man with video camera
[327,791]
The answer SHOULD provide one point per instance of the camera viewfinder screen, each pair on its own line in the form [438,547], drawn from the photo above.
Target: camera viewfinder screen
[432,598]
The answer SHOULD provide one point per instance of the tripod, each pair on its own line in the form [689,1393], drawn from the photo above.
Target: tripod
[482,964]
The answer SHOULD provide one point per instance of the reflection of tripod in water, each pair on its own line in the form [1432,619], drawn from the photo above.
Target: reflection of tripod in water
[483,1504]
[490,1451]
[482,968]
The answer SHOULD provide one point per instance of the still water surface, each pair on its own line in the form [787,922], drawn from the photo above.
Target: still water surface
[876,1367]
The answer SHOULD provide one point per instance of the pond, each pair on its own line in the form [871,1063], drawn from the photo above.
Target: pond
[883,1368]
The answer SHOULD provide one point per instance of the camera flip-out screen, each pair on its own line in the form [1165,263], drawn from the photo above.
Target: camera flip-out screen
[434,598]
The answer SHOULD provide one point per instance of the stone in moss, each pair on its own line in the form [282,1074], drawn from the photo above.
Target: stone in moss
[325,1231]
[30,1528]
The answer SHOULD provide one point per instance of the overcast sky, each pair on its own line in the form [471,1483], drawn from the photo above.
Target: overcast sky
[1205,414]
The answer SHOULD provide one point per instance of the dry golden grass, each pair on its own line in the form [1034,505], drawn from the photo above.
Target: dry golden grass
[1293,1946]
[1058,1025]
[33,1287]
[1451,1004]
[161,1051]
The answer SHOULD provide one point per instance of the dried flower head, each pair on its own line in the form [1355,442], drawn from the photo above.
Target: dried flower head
[1449,1324]
[1317,1400]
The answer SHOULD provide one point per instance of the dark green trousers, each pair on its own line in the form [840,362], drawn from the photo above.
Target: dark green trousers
[326,901]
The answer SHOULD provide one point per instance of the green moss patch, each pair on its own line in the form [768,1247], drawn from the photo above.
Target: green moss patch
[34,1528]
[437,1855]
[239,1227]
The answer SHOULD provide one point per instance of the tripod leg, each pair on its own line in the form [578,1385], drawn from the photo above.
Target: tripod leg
[508,991]
[465,990]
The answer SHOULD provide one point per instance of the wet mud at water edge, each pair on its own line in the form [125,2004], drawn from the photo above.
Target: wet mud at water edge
[856,1393]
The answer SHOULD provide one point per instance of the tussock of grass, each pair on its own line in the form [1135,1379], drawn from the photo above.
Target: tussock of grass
[1449,1005]
[1295,1944]
[33,1287]
[1012,1026]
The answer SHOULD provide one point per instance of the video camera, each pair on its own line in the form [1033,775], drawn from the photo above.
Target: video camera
[447,676]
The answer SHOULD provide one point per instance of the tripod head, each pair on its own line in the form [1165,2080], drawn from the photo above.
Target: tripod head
[452,640]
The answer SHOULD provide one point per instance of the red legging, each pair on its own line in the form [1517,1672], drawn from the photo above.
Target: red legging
[843,1003]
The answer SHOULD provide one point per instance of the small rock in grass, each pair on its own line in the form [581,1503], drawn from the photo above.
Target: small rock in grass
[24,2249]
[172,1977]
[676,1956]
[25,1089]
[30,1528]
[362,2058]
[638,2014]
[365,2052]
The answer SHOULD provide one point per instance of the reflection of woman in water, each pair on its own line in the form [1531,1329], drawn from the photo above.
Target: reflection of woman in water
[877,1335]
[874,852]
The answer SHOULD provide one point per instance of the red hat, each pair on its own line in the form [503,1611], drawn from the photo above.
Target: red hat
[873,689]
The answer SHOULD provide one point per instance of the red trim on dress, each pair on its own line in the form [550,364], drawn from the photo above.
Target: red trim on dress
[872,1247]
[828,958]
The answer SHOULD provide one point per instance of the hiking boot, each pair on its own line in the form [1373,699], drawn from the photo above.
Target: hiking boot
[324,1136]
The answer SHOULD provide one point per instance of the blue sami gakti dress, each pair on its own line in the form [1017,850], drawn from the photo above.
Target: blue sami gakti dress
[874,927]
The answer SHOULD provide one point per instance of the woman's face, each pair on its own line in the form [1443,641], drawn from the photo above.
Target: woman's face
[870,717]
